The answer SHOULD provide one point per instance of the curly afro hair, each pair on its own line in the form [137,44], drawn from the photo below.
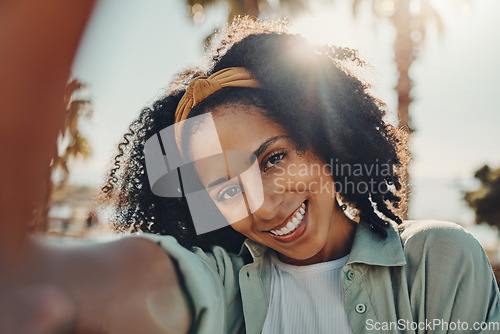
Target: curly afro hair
[310,91]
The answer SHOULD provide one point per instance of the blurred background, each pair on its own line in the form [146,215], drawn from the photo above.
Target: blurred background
[434,62]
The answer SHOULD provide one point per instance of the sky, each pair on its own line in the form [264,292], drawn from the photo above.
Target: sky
[132,49]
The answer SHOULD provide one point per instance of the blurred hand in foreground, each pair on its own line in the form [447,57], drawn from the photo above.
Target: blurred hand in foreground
[125,286]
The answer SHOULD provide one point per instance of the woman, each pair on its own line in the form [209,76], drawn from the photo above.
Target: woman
[291,257]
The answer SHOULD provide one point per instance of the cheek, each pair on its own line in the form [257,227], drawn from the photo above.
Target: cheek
[313,177]
[235,212]
[243,226]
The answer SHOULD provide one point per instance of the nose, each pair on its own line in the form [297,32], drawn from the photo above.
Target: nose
[273,198]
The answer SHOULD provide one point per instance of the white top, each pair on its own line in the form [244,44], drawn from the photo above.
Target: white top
[306,299]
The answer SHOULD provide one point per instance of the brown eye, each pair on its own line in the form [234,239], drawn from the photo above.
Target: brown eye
[274,160]
[229,193]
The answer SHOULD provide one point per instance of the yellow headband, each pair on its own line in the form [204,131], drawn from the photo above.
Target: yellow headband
[202,87]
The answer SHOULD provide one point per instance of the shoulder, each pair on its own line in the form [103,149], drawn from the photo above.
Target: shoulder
[435,233]
[223,262]
[447,270]
[443,248]
[218,260]
[208,278]
[410,228]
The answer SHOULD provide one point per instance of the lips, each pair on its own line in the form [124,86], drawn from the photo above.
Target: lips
[292,223]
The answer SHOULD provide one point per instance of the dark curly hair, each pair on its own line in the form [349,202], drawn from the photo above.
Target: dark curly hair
[308,90]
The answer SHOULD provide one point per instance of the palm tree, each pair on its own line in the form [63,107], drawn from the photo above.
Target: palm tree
[410,20]
[75,144]
[71,143]
[247,7]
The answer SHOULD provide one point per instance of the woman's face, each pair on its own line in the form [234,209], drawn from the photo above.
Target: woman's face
[299,216]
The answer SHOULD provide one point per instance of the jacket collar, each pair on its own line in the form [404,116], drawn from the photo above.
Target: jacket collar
[255,249]
[368,248]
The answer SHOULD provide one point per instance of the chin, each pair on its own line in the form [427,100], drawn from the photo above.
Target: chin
[304,255]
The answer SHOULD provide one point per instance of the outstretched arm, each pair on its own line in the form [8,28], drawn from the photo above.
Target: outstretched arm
[38,40]
[125,286]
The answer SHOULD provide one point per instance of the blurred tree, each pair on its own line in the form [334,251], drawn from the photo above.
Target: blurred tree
[410,19]
[247,7]
[485,201]
[71,144]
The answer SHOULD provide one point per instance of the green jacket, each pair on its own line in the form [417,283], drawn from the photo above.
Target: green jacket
[423,275]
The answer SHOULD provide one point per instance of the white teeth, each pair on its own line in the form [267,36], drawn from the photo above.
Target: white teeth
[293,224]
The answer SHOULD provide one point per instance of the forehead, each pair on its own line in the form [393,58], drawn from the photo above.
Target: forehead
[237,127]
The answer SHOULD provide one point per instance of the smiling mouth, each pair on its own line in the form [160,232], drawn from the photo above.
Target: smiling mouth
[293,222]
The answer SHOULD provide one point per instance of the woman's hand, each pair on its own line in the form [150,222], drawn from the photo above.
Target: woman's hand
[124,286]
[35,308]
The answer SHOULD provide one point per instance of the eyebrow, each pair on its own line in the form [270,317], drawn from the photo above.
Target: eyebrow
[258,152]
[266,144]
[216,182]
